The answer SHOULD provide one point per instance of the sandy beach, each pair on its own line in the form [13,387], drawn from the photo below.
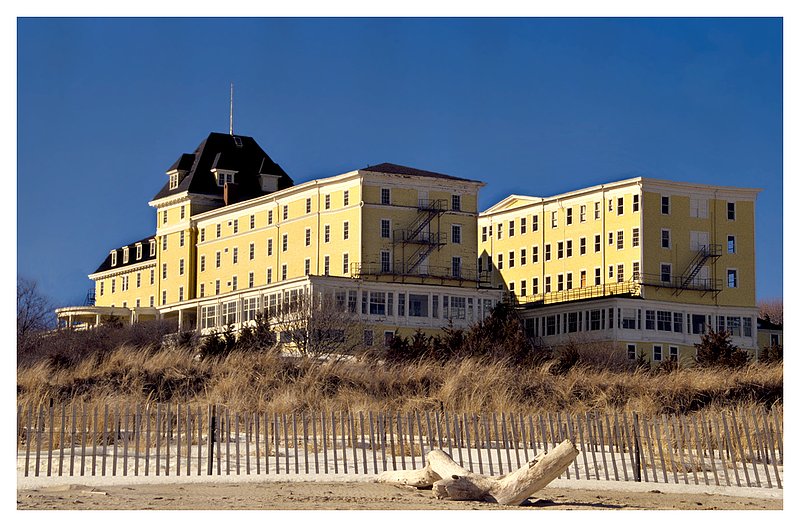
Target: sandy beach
[365,495]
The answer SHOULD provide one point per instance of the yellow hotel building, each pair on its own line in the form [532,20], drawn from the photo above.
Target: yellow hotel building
[234,235]
[644,264]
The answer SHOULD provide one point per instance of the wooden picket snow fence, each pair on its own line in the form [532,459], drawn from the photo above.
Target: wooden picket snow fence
[733,448]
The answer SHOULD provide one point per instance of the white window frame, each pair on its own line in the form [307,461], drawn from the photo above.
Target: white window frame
[735,271]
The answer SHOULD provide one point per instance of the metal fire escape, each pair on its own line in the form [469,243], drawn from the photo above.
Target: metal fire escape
[706,253]
[418,240]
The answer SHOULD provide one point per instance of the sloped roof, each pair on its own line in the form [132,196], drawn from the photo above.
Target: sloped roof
[106,265]
[237,153]
[391,168]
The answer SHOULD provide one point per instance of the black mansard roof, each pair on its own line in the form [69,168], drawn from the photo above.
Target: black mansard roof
[391,168]
[132,259]
[237,153]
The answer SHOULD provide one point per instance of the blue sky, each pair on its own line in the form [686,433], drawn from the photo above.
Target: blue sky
[530,105]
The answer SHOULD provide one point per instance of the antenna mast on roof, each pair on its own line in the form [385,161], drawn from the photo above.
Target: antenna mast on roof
[231,127]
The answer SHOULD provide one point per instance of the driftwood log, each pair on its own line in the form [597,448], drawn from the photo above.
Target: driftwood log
[449,480]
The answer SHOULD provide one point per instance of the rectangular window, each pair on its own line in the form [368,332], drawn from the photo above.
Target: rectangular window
[510,259]
[677,322]
[611,238]
[523,288]
[234,283]
[346,198]
[235,226]
[327,201]
[284,272]
[673,353]
[163,297]
[163,243]
[666,273]
[731,244]
[665,239]
[635,237]
[597,277]
[582,213]
[327,265]
[635,271]
[597,210]
[269,275]
[152,276]
[731,210]
[269,247]
[664,204]
[620,272]
[732,278]
[610,205]
[152,247]
[385,229]
[597,243]
[252,251]
[650,319]
[535,285]
[216,287]
[523,225]
[345,264]
[164,217]
[547,284]
[747,327]
[569,280]
[656,352]
[251,279]
[180,267]
[307,266]
[636,203]
[535,223]
[308,237]
[219,230]
[499,231]
[113,285]
[569,215]
[511,228]
[698,207]
[456,266]
[308,205]
[522,256]
[455,202]
[535,254]
[418,305]
[484,231]
[569,248]
[386,196]
[560,250]
[203,234]
[610,272]
[386,262]
[631,351]
[582,249]
[285,243]
[554,219]
[664,320]
[620,240]
[202,290]
[286,212]
[208,317]
[269,217]
[629,317]
[164,271]
[455,234]
[180,294]
[620,206]
[346,230]
[138,280]
[377,303]
[500,261]
[252,221]
[235,256]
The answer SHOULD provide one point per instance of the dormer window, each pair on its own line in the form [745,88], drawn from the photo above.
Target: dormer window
[174,179]
[125,255]
[138,251]
[152,247]
[113,258]
[224,177]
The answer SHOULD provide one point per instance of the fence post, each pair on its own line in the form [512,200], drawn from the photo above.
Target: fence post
[637,467]
[212,427]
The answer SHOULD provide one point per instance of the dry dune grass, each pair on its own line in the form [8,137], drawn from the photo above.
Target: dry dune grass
[268,382]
